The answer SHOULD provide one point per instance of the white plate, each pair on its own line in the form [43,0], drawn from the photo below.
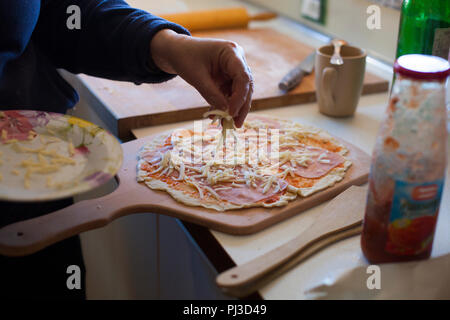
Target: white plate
[47,156]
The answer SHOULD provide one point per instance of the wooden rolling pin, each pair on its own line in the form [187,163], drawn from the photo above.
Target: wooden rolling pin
[216,19]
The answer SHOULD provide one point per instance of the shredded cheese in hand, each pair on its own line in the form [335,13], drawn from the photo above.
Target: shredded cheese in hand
[227,122]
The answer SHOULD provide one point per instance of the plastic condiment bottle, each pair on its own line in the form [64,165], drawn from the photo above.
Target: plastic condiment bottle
[408,164]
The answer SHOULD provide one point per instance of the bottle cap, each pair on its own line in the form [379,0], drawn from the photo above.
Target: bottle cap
[424,67]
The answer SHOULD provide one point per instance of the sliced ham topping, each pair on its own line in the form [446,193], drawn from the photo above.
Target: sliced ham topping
[322,162]
[245,194]
[272,124]
[155,156]
[228,181]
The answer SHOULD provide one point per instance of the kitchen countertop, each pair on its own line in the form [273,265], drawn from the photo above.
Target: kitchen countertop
[360,130]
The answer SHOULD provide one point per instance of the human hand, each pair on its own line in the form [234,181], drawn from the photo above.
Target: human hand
[216,68]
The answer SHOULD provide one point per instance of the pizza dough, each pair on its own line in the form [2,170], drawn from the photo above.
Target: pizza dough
[265,163]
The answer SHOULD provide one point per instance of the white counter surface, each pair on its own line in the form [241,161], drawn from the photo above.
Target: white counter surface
[335,260]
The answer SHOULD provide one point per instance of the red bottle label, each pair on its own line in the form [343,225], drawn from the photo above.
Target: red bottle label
[413,217]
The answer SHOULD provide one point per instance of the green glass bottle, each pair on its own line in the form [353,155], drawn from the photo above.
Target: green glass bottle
[424,28]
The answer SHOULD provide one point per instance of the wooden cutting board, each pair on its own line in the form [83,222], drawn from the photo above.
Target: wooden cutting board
[270,55]
[29,236]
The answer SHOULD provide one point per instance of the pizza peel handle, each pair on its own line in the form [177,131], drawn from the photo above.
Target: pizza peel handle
[245,290]
[130,197]
[29,236]
[341,216]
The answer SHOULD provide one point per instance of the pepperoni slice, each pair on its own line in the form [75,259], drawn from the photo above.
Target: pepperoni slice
[323,161]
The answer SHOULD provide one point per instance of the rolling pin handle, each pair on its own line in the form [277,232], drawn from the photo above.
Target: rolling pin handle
[263,16]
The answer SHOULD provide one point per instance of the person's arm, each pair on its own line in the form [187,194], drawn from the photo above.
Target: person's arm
[113,41]
[21,17]
[121,43]
[216,68]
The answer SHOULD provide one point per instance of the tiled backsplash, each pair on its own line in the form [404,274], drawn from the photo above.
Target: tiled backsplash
[397,4]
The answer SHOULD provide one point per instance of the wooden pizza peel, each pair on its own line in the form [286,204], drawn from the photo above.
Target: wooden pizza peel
[130,197]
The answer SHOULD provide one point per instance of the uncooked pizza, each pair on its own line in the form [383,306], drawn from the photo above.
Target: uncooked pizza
[266,163]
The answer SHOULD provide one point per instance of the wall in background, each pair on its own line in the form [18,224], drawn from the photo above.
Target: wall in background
[397,4]
[347,19]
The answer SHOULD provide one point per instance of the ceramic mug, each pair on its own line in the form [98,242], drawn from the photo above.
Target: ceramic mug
[338,87]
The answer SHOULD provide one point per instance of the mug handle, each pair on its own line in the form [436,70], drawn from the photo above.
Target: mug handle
[329,76]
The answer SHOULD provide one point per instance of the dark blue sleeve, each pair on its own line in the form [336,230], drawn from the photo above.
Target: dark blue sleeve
[113,41]
[17,22]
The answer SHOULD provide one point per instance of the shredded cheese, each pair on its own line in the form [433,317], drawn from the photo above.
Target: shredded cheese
[192,183]
[227,123]
[71,149]
[49,182]
[210,190]
[31,135]
[156,171]
[46,161]
[213,170]
[223,188]
[268,184]
[10,141]
[182,176]
[26,183]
